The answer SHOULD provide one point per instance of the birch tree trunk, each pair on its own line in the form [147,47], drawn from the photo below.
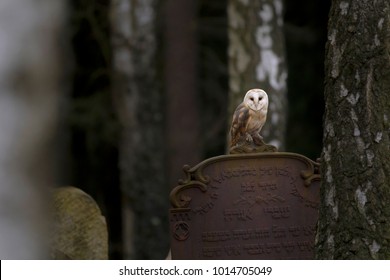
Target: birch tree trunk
[355,213]
[29,92]
[257,60]
[139,105]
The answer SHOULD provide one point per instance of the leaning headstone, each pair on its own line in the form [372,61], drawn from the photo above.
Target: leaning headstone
[246,206]
[79,229]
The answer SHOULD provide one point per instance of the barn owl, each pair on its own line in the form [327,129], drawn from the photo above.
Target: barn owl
[249,118]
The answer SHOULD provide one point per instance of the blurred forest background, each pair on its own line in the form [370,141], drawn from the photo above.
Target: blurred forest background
[91,147]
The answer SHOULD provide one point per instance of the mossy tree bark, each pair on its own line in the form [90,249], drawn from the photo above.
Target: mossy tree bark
[355,211]
[139,104]
[257,60]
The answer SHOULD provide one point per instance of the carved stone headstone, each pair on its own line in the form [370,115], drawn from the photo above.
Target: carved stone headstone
[248,206]
[79,230]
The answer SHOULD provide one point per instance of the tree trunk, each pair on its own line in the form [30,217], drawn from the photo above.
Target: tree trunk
[139,105]
[355,211]
[257,60]
[29,95]
[180,60]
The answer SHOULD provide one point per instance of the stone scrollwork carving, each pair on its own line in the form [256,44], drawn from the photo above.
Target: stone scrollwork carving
[195,178]
[246,206]
[313,173]
[179,200]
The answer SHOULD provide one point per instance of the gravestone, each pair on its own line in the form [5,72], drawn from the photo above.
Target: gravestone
[79,228]
[246,206]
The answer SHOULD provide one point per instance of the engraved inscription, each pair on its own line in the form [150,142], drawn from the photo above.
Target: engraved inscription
[296,231]
[302,199]
[266,171]
[238,214]
[248,187]
[180,217]
[252,207]
[212,252]
[278,232]
[206,207]
[258,199]
[239,172]
[257,249]
[288,246]
[274,171]
[278,212]
[278,247]
[243,171]
[181,231]
[214,236]
[276,239]
[274,247]
[275,231]
[305,246]
[268,186]
[247,234]
[239,234]
[233,250]
[258,193]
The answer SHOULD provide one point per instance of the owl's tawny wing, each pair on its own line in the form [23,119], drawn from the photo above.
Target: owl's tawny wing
[239,122]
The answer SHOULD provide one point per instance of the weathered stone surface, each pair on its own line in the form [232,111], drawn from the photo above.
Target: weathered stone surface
[246,206]
[79,229]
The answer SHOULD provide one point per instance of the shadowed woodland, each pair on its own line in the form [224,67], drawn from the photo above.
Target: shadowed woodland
[91,127]
[113,97]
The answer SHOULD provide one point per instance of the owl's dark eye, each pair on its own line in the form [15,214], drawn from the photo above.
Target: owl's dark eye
[251,98]
[260,98]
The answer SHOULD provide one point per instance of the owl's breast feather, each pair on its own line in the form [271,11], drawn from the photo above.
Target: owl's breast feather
[256,121]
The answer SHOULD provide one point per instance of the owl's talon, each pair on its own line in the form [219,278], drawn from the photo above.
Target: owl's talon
[249,138]
[258,140]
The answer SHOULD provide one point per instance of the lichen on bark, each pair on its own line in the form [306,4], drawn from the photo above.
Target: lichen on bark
[355,165]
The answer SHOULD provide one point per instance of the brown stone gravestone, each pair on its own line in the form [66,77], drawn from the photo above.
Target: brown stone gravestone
[246,206]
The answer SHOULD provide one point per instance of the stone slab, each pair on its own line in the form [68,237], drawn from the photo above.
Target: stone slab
[247,206]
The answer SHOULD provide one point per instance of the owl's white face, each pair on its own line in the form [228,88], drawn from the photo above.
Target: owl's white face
[256,100]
